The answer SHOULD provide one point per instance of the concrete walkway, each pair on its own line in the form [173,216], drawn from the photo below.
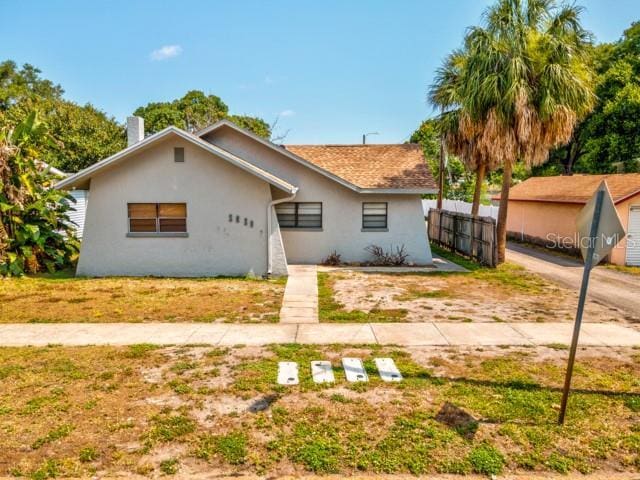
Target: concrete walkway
[403,334]
[300,301]
[615,289]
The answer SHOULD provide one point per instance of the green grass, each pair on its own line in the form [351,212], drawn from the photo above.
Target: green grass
[486,460]
[169,466]
[55,434]
[231,447]
[455,258]
[624,269]
[331,311]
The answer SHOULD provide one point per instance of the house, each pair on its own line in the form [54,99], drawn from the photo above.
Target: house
[544,209]
[224,201]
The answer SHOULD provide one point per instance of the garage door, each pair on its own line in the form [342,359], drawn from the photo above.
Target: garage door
[633,236]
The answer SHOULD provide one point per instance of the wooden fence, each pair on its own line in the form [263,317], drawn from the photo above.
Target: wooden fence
[468,235]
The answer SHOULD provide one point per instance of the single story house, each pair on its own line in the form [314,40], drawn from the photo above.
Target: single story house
[544,210]
[224,201]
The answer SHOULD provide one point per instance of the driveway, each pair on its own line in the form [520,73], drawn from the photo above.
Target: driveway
[614,289]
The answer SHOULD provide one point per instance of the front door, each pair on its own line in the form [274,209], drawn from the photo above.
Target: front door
[633,236]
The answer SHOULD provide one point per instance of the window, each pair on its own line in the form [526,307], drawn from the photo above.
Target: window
[374,216]
[178,154]
[299,215]
[157,217]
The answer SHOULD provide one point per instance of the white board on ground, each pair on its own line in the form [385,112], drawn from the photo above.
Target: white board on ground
[388,370]
[354,370]
[322,372]
[288,373]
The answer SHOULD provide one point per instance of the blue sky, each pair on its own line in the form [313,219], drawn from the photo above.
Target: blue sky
[333,70]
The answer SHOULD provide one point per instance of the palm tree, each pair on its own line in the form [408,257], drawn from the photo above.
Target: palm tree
[459,135]
[526,83]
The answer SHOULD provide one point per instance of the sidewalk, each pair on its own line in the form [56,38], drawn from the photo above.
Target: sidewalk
[300,300]
[402,334]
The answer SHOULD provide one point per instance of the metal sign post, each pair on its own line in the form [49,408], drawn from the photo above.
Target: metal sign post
[602,230]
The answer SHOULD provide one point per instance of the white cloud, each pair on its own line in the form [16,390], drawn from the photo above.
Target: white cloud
[287,113]
[165,52]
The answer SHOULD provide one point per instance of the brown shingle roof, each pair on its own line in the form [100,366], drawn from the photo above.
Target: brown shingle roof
[575,188]
[400,166]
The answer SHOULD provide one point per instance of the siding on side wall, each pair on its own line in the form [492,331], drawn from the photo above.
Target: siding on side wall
[78,213]
[211,187]
[341,209]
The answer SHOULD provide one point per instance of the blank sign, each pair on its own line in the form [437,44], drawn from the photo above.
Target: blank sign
[354,370]
[388,370]
[322,372]
[288,373]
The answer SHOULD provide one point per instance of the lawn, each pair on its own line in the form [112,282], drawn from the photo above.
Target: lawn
[64,298]
[624,269]
[202,410]
[508,293]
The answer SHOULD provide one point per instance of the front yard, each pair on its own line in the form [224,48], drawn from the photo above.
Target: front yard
[65,298]
[508,293]
[204,410]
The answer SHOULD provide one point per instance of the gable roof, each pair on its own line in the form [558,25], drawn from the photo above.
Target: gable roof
[83,175]
[398,168]
[575,188]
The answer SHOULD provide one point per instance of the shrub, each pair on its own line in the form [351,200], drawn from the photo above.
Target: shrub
[394,257]
[36,232]
[333,259]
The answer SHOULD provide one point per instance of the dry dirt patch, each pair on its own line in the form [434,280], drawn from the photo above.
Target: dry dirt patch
[63,298]
[509,294]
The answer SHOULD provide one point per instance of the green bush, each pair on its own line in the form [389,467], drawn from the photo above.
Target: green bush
[36,233]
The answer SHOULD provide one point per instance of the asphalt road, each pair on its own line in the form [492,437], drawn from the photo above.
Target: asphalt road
[614,289]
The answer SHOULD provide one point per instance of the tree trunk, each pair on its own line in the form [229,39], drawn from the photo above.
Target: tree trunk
[441,168]
[477,193]
[502,213]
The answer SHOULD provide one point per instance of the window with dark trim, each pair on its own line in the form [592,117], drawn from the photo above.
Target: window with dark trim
[374,215]
[157,217]
[299,215]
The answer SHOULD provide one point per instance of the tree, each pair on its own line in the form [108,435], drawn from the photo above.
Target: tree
[608,139]
[195,111]
[17,85]
[78,136]
[524,86]
[446,93]
[459,181]
[35,230]
[253,124]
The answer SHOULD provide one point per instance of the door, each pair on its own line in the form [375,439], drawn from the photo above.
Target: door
[633,236]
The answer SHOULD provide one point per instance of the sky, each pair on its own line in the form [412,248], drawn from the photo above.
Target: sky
[330,70]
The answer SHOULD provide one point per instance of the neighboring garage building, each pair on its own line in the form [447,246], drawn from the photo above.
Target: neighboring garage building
[543,210]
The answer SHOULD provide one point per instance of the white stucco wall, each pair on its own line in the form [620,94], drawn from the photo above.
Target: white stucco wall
[341,209]
[211,187]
